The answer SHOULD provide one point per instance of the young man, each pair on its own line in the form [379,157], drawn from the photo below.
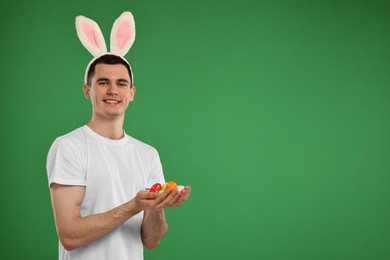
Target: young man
[98,176]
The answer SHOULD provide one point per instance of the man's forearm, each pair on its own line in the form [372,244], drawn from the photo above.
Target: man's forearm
[154,227]
[84,230]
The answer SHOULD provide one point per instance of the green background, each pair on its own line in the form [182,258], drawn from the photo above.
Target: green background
[275,112]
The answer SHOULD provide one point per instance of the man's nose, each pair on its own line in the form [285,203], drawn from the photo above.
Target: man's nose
[112,89]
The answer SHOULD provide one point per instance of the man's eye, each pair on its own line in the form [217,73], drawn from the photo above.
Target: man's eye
[122,84]
[102,83]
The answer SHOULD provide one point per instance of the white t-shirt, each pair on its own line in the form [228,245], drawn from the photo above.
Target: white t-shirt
[113,171]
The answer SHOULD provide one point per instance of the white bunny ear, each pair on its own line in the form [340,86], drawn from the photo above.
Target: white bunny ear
[90,36]
[122,34]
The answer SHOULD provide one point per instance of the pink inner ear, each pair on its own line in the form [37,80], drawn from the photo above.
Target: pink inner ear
[89,31]
[123,34]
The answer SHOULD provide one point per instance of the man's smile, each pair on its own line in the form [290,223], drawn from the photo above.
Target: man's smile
[111,101]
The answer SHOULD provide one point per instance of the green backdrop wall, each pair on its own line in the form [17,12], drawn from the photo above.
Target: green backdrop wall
[275,112]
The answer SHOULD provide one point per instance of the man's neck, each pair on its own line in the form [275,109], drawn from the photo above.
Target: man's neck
[111,129]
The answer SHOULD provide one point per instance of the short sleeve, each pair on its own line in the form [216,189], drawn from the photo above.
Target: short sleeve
[156,172]
[66,162]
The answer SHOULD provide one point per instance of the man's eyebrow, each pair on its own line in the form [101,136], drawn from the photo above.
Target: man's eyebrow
[103,79]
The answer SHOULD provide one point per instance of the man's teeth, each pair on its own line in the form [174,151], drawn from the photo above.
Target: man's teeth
[111,101]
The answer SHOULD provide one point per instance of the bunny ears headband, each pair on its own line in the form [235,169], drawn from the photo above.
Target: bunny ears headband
[121,39]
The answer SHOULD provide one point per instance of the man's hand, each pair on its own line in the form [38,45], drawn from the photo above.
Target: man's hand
[145,200]
[168,199]
[173,198]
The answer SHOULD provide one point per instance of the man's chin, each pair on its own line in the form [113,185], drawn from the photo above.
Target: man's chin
[114,114]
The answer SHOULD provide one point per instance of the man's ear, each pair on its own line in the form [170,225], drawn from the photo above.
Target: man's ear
[132,93]
[86,90]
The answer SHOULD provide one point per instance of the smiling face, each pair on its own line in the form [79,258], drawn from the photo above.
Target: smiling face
[110,91]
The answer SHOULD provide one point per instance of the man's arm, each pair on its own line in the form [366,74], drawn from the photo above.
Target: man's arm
[75,231]
[154,226]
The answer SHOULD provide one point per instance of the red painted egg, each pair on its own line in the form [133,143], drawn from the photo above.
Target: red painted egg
[156,187]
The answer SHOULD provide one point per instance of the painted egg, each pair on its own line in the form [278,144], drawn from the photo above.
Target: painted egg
[171,185]
[156,187]
[164,187]
[160,192]
[180,188]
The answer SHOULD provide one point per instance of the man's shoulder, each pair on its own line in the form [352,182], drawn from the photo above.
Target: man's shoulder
[141,145]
